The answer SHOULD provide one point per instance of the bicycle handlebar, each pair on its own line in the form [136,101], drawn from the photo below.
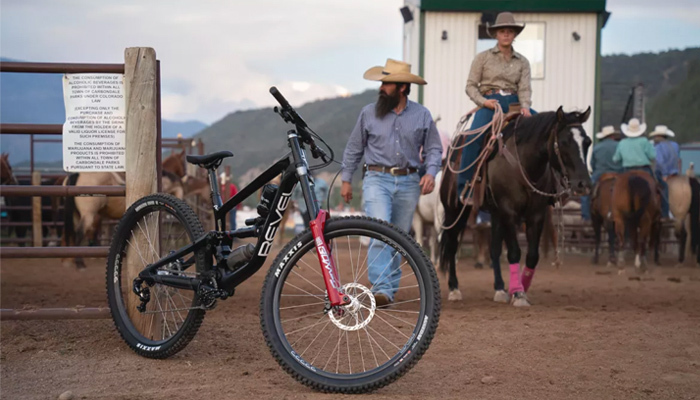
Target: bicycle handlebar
[290,115]
[280,99]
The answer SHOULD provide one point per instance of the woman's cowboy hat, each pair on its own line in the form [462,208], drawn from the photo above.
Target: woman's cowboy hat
[634,128]
[505,20]
[662,130]
[394,71]
[605,132]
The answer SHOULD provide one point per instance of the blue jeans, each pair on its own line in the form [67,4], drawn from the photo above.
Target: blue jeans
[471,152]
[586,201]
[664,194]
[392,199]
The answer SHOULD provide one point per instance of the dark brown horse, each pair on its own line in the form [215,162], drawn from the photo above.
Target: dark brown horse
[539,149]
[636,211]
[601,215]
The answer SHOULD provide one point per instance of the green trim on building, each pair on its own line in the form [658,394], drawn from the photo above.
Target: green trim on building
[421,55]
[597,111]
[597,6]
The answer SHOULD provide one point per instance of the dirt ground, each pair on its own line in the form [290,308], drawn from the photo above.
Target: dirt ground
[590,334]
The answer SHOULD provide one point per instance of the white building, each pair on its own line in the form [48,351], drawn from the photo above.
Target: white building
[561,40]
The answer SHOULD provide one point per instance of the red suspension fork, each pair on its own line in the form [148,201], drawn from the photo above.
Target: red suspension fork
[328,269]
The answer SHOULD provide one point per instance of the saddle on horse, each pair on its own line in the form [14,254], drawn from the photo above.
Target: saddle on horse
[474,191]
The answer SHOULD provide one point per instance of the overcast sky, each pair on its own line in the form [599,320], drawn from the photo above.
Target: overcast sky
[221,56]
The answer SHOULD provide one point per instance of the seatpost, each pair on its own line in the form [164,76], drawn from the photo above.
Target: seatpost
[216,196]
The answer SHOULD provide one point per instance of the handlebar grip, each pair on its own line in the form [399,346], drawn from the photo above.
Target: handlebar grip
[278,96]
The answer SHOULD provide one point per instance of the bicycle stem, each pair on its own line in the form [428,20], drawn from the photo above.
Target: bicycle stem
[328,268]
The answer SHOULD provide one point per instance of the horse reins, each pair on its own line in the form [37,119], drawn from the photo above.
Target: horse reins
[496,124]
[564,183]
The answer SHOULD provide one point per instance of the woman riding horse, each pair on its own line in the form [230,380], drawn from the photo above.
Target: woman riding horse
[498,76]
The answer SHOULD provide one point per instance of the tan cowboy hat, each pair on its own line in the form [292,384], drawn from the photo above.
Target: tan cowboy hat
[634,128]
[505,20]
[394,71]
[662,130]
[605,132]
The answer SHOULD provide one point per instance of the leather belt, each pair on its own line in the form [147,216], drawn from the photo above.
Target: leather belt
[396,171]
[499,91]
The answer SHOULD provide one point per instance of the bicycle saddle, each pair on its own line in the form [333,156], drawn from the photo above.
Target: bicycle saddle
[209,160]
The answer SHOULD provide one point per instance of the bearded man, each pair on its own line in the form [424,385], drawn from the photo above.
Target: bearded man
[392,134]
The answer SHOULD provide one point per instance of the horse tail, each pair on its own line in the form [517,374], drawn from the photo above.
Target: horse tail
[694,216]
[68,211]
[640,197]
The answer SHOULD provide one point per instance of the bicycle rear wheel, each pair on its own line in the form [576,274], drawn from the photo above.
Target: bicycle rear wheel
[360,347]
[150,229]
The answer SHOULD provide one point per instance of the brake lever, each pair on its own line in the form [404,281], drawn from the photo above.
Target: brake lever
[318,152]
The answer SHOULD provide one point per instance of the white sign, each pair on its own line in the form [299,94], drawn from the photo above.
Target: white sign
[94,134]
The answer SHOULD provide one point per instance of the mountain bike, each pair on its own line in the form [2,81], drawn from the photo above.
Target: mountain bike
[318,313]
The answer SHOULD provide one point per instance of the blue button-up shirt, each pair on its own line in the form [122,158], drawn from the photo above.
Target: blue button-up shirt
[394,141]
[667,156]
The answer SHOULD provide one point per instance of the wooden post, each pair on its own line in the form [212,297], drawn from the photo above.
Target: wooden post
[141,174]
[36,212]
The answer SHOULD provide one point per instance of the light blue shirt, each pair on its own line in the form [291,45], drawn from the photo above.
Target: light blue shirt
[394,141]
[634,152]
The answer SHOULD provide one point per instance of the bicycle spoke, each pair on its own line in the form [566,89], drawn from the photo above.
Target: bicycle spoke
[302,305]
[391,326]
[302,317]
[311,283]
[316,270]
[302,290]
[352,268]
[397,318]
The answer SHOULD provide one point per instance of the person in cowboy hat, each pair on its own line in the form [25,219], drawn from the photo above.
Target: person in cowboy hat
[635,151]
[668,161]
[390,133]
[497,76]
[602,162]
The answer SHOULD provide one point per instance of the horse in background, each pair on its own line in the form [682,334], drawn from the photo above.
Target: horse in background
[175,164]
[83,216]
[601,215]
[430,212]
[546,146]
[684,203]
[636,211]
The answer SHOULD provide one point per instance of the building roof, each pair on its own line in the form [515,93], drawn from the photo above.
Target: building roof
[579,6]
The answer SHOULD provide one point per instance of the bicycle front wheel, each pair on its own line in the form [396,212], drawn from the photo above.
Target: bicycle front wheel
[365,345]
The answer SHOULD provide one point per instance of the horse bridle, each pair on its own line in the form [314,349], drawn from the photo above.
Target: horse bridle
[564,183]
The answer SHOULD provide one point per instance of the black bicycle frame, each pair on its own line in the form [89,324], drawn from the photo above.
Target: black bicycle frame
[294,168]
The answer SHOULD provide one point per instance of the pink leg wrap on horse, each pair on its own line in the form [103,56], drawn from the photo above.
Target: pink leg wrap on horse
[515,284]
[528,273]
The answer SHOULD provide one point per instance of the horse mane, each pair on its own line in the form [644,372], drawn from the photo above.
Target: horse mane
[536,127]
